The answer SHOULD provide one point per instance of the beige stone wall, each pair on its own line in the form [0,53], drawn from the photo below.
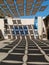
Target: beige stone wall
[40,27]
[2,25]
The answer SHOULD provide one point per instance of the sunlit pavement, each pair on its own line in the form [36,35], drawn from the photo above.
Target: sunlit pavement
[25,51]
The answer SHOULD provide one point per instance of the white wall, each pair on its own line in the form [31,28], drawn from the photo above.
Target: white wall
[2,25]
[27,21]
[10,21]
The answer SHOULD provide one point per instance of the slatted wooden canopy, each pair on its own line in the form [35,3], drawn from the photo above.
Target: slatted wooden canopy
[17,8]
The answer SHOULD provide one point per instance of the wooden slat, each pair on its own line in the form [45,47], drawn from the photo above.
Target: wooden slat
[4,6]
[20,7]
[30,1]
[38,0]
[7,11]
[1,12]
[35,9]
[20,1]
[27,13]
[10,1]
[33,13]
[15,12]
[1,1]
[12,7]
[21,12]
[27,9]
[28,5]
[37,4]
[43,8]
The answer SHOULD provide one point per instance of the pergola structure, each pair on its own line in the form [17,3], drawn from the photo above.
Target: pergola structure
[17,8]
